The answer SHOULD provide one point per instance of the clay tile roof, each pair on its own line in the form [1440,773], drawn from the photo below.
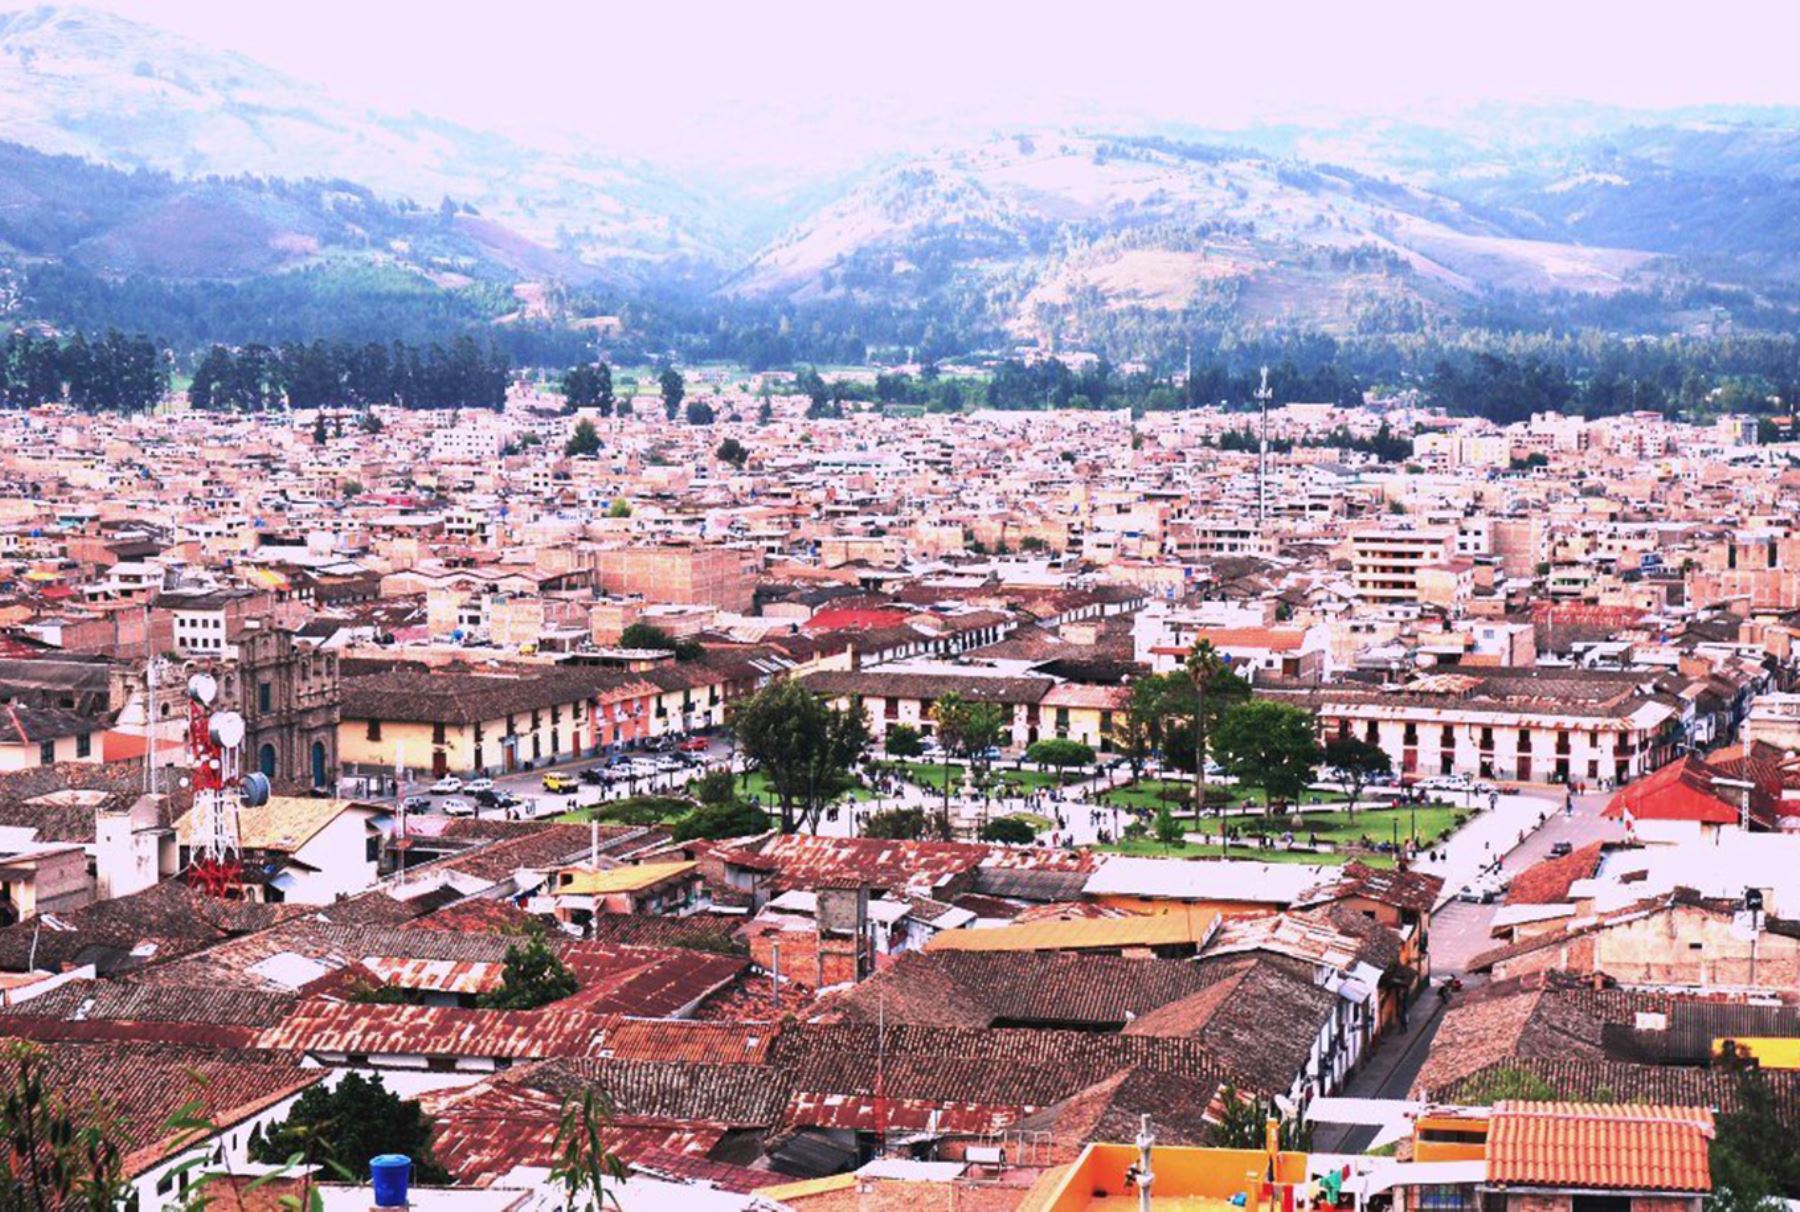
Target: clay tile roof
[1548,882]
[138,1086]
[1588,1145]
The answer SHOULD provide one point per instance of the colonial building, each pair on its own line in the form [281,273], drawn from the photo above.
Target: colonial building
[1529,725]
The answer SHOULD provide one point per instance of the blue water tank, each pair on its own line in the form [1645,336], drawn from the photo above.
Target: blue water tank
[390,1173]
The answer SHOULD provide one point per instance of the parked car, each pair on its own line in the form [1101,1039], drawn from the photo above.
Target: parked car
[558,783]
[457,807]
[416,803]
[1559,849]
[669,765]
[448,785]
[482,784]
[694,744]
[496,798]
[593,776]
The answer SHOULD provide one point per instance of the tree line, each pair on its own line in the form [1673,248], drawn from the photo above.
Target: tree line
[115,373]
[319,374]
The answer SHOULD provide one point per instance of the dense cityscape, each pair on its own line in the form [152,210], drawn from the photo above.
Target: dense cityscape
[946,695]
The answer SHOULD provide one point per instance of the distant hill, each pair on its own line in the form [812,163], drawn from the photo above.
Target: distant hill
[88,83]
[146,223]
[1051,232]
[145,168]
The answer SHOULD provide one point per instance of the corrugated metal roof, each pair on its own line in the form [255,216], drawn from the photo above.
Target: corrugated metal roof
[584,882]
[379,1030]
[1091,934]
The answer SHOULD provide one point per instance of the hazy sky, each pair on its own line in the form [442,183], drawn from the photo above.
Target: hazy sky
[740,73]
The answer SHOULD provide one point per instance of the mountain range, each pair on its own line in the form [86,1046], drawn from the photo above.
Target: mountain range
[137,154]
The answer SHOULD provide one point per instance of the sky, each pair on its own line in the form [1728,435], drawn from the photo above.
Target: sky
[738,80]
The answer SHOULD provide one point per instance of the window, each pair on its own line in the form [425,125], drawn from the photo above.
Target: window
[374,730]
[47,753]
[372,848]
[84,745]
[265,697]
[1601,1203]
[1445,1199]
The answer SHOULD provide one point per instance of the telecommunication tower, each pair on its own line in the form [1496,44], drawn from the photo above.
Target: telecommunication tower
[221,788]
[1263,396]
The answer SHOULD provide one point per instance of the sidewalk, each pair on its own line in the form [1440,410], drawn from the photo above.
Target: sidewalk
[1388,1071]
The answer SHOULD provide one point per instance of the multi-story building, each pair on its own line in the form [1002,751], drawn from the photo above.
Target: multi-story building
[1385,563]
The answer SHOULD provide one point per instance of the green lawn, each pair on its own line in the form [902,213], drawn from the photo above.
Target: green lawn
[1036,780]
[756,786]
[1151,848]
[1377,824]
[1149,793]
[931,776]
[637,809]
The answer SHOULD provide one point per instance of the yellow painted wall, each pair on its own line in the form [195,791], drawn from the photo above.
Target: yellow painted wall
[1769,1053]
[1205,1173]
[1441,1150]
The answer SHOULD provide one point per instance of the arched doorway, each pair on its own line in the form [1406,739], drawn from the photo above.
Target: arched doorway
[265,760]
[318,764]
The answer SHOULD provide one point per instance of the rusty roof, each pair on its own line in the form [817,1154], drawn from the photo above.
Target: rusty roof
[1086,934]
[381,1030]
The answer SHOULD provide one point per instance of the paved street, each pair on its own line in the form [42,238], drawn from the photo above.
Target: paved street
[1461,930]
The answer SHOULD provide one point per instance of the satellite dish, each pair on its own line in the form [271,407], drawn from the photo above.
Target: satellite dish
[203,689]
[226,729]
[255,788]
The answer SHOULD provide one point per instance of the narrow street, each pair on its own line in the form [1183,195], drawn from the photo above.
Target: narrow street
[1460,931]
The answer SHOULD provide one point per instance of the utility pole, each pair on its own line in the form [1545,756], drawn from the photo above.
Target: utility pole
[152,725]
[1263,395]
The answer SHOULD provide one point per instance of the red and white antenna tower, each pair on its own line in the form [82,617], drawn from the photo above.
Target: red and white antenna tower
[215,752]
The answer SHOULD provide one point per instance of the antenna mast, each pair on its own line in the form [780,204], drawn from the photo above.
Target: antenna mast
[151,723]
[215,752]
[1263,395]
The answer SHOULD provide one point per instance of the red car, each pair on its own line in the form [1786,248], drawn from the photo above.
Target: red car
[694,744]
